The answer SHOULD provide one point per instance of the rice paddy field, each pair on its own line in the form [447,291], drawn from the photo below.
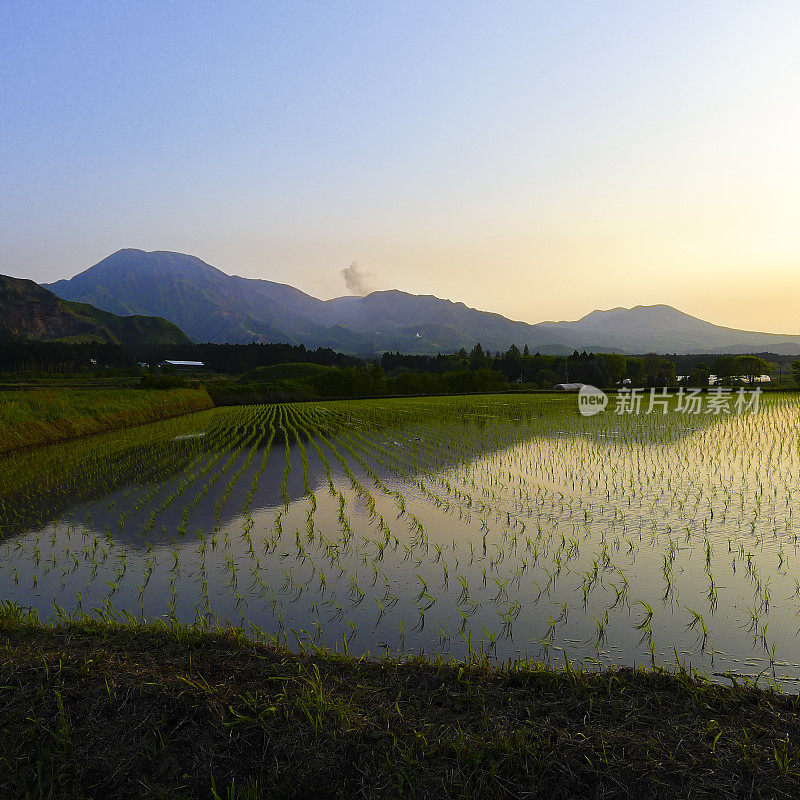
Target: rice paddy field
[503,527]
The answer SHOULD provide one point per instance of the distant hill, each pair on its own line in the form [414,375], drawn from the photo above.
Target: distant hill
[664,329]
[30,312]
[210,305]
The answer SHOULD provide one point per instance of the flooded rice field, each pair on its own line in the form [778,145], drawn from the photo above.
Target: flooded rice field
[509,527]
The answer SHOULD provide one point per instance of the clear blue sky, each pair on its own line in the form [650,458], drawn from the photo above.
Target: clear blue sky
[536,159]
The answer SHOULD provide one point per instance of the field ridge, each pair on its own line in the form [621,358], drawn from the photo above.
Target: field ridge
[47,416]
[92,708]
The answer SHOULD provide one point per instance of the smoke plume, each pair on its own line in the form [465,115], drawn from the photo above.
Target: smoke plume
[358,281]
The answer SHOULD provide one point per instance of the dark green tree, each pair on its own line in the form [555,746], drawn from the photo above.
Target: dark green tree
[699,376]
[750,367]
[477,358]
[634,371]
[545,379]
[614,368]
[724,368]
[658,370]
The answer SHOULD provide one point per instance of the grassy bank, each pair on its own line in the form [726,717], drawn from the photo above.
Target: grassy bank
[46,416]
[93,709]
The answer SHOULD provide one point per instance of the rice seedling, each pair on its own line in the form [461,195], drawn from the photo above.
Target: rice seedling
[486,516]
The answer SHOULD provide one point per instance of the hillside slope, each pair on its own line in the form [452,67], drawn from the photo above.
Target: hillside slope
[28,311]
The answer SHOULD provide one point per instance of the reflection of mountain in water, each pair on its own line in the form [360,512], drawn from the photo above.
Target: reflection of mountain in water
[106,476]
[40,485]
[97,480]
[204,515]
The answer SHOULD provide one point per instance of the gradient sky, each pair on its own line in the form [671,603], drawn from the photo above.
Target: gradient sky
[539,159]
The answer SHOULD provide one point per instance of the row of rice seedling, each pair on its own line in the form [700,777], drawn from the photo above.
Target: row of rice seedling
[507,525]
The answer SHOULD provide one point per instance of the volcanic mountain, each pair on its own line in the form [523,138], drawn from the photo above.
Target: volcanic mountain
[210,305]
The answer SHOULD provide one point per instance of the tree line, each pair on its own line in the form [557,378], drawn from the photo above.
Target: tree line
[228,359]
[400,373]
[544,370]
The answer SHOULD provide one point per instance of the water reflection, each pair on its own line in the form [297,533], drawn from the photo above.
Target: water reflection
[512,528]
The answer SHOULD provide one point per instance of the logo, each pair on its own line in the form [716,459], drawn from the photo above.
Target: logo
[716,400]
[591,400]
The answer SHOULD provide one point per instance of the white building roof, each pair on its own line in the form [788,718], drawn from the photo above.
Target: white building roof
[184,363]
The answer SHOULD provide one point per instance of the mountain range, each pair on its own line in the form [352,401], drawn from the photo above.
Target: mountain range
[30,312]
[210,305]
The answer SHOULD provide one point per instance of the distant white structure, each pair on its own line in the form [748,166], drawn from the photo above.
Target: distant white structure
[714,380]
[568,387]
[182,364]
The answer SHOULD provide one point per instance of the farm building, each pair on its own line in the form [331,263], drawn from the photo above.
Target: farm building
[568,387]
[184,366]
